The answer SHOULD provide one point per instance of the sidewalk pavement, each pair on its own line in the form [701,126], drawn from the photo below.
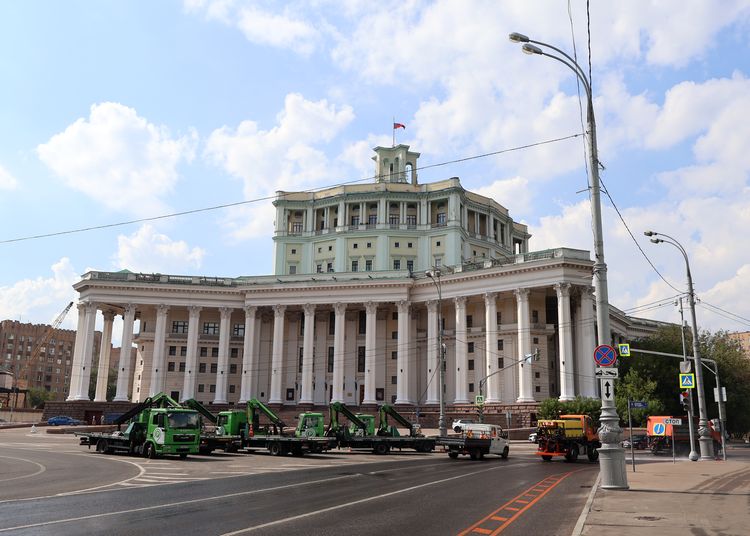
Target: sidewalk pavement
[685,498]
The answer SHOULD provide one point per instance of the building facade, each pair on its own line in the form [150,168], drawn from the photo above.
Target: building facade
[351,315]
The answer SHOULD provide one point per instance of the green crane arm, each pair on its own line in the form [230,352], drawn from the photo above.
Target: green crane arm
[388,410]
[160,400]
[338,407]
[200,408]
[256,405]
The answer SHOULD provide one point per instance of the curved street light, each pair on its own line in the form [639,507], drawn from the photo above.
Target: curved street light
[434,275]
[704,435]
[613,473]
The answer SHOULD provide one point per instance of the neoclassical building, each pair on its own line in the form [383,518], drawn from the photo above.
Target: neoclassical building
[350,313]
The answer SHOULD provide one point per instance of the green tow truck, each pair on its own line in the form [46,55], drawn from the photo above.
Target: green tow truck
[362,433]
[157,426]
[308,436]
[210,439]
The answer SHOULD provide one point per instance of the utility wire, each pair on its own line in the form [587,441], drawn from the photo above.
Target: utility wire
[275,196]
[726,314]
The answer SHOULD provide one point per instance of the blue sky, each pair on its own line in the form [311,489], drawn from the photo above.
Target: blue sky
[114,111]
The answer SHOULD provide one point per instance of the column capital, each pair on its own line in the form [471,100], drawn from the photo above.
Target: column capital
[250,310]
[194,310]
[371,307]
[129,308]
[109,315]
[90,306]
[309,309]
[460,302]
[339,308]
[522,294]
[162,309]
[587,292]
[562,289]
[225,312]
[279,310]
[432,306]
[490,297]
[403,306]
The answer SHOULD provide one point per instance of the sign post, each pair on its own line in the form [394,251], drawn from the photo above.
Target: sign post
[611,454]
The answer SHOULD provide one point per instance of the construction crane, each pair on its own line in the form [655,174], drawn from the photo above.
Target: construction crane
[41,343]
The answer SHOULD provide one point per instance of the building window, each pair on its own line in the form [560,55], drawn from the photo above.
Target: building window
[379,394]
[437,244]
[362,320]
[214,352]
[394,355]
[330,359]
[179,326]
[232,369]
[234,352]
[537,375]
[396,244]
[355,220]
[297,227]
[300,360]
[182,366]
[201,367]
[172,350]
[201,387]
[410,265]
[369,244]
[500,363]
[471,364]
[331,323]
[329,267]
[471,387]
[170,366]
[396,264]
[232,389]
[538,389]
[469,321]
[500,344]
[238,330]
[372,219]
[411,220]
[292,269]
[294,251]
[360,359]
[535,316]
[535,340]
[393,219]
[441,218]
[214,368]
[319,268]
[355,266]
[355,246]
[212,388]
[409,245]
[210,328]
[394,335]
[394,380]
[183,351]
[204,351]
[368,265]
[471,348]
[330,248]
[499,318]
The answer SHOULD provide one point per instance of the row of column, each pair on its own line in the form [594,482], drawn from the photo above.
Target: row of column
[499,385]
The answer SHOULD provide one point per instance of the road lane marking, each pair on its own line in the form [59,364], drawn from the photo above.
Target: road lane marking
[177,503]
[359,501]
[494,524]
[41,469]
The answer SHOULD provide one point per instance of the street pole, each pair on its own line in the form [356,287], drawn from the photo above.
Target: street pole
[691,426]
[434,275]
[704,436]
[612,456]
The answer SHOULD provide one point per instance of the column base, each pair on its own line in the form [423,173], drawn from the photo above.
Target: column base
[366,402]
[308,401]
[77,398]
[566,398]
[220,401]
[429,401]
[100,399]
[404,402]
[460,401]
[120,399]
[521,400]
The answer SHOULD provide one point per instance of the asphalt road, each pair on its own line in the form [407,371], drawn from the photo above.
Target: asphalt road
[346,493]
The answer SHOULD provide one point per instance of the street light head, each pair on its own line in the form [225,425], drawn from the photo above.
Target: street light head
[528,48]
[657,240]
[518,38]
[649,233]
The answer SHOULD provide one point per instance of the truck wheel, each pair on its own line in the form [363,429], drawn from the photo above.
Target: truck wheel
[572,456]
[102,446]
[274,449]
[593,455]
[546,458]
[504,455]
[381,448]
[150,451]
[453,454]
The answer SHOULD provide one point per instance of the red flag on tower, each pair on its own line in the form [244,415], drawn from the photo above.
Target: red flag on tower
[399,125]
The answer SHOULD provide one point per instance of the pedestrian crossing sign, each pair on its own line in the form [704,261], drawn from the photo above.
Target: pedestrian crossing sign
[624,349]
[687,381]
[479,400]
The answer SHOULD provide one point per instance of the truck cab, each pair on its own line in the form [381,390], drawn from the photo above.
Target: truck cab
[310,425]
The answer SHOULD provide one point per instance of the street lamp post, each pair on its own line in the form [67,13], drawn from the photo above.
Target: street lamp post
[704,436]
[693,456]
[612,456]
[434,275]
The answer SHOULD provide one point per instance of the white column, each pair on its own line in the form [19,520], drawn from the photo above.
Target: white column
[308,345]
[102,373]
[222,370]
[249,359]
[433,342]
[75,369]
[403,356]
[158,374]
[86,353]
[588,344]
[124,370]
[494,377]
[277,354]
[525,382]
[371,350]
[565,330]
[191,359]
[462,361]
[339,353]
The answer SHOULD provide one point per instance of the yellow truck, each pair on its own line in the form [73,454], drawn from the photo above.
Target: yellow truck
[568,436]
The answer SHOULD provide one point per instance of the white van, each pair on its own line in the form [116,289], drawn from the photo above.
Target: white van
[479,439]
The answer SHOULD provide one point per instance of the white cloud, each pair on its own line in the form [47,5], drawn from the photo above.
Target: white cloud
[118,158]
[7,181]
[41,299]
[147,250]
[282,158]
[514,194]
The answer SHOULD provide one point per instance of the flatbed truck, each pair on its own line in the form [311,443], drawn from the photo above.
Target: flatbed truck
[476,441]
[210,440]
[157,426]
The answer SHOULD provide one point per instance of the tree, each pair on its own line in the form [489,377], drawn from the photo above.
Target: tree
[634,387]
[37,397]
[552,408]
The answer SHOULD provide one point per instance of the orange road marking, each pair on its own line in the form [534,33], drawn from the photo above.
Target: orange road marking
[494,524]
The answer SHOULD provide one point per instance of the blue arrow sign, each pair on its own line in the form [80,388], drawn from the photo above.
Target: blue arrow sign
[659,428]
[638,404]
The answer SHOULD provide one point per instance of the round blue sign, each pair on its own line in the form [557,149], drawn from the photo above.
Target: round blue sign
[605,356]
[659,428]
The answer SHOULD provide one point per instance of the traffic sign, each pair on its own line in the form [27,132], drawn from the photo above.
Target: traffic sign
[659,428]
[685,367]
[624,349]
[687,381]
[479,400]
[678,422]
[606,372]
[638,404]
[608,388]
[605,356]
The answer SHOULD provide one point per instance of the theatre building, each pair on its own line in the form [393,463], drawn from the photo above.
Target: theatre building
[368,280]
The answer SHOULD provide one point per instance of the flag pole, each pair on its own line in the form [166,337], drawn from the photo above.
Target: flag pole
[393,124]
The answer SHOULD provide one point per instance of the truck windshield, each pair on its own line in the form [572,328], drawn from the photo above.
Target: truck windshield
[179,421]
[223,419]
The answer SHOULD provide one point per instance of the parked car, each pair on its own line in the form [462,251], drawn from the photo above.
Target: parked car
[532,437]
[458,424]
[63,420]
[640,442]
